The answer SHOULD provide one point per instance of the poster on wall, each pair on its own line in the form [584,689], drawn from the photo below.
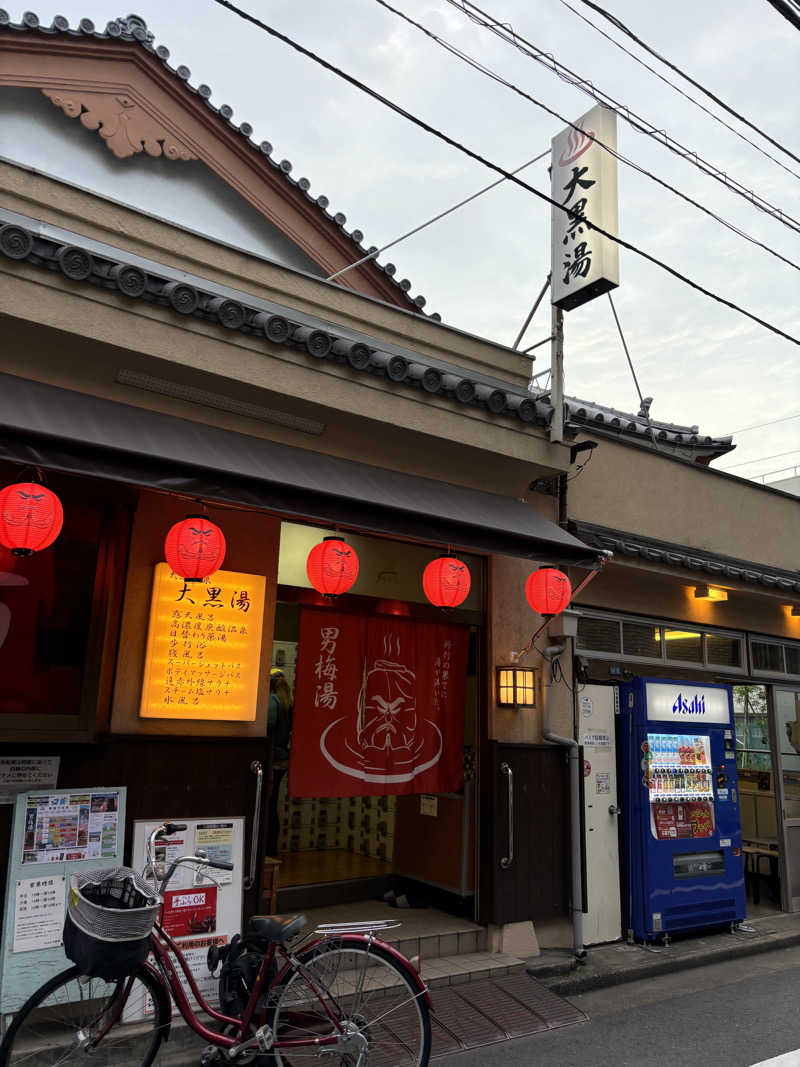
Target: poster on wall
[63,827]
[379,706]
[203,647]
[39,906]
[56,833]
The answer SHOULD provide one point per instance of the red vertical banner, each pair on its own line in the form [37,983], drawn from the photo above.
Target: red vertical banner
[379,706]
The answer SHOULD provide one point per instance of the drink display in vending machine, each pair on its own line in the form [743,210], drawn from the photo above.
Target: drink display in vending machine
[683,842]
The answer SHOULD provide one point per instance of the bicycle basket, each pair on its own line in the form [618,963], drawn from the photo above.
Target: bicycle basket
[109,918]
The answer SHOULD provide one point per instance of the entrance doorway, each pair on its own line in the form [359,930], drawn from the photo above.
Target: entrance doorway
[758,788]
[415,850]
[786,702]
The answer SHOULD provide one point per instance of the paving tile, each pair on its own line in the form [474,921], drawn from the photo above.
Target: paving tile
[448,944]
[429,947]
[468,942]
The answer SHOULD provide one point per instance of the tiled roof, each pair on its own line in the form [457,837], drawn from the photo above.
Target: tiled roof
[718,567]
[89,262]
[133,28]
[686,441]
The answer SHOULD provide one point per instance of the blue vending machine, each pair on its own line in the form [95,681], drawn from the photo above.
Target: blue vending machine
[683,838]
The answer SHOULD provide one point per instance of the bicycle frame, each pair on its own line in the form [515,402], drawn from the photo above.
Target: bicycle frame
[164,947]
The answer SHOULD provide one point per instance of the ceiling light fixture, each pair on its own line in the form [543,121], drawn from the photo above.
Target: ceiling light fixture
[710,592]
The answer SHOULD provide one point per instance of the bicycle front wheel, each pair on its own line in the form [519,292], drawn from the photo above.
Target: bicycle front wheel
[73,1017]
[384,1020]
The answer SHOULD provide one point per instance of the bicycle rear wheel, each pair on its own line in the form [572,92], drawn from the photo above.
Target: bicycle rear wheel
[59,1022]
[371,994]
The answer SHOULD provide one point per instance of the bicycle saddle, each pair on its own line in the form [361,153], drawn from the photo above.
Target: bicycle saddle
[277,928]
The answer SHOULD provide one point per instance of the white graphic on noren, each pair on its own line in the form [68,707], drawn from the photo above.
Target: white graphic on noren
[386,731]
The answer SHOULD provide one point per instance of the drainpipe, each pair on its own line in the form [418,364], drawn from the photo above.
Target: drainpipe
[571,744]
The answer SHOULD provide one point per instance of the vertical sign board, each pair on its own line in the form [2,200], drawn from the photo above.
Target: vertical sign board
[200,909]
[203,647]
[56,832]
[584,179]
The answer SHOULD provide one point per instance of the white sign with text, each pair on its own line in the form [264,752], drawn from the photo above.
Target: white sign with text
[679,702]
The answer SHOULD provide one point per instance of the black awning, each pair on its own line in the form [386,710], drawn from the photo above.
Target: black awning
[80,434]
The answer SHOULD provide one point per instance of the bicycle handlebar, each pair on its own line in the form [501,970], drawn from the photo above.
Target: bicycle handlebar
[172,828]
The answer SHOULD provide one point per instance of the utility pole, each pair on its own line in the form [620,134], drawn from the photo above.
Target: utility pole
[557,375]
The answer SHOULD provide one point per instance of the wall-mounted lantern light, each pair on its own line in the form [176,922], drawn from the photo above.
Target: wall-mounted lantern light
[516,687]
[710,592]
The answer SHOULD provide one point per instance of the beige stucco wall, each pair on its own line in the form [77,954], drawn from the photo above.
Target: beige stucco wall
[635,588]
[633,489]
[62,205]
[99,332]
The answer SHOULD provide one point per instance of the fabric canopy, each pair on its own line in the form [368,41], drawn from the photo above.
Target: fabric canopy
[75,433]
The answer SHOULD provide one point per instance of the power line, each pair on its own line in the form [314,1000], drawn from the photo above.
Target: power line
[375,95]
[761,459]
[483,69]
[788,9]
[441,215]
[507,34]
[629,33]
[760,425]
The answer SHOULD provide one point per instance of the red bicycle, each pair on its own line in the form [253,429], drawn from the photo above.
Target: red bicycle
[340,995]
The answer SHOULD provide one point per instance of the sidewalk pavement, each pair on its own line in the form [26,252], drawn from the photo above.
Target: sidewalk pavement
[620,962]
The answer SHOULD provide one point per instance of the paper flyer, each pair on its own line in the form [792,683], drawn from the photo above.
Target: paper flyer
[217,840]
[39,906]
[63,827]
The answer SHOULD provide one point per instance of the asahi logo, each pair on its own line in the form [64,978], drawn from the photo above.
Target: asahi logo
[682,706]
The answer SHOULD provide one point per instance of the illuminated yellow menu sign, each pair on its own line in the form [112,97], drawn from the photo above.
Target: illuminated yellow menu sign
[203,647]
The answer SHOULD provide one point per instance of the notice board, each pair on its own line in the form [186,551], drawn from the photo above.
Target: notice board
[56,832]
[200,909]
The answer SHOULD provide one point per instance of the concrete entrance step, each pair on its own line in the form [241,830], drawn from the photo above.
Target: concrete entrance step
[469,967]
[425,932]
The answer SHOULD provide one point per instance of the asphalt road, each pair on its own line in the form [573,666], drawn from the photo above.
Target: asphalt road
[733,1014]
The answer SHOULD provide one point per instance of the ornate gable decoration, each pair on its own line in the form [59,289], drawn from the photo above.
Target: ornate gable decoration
[120,84]
[123,124]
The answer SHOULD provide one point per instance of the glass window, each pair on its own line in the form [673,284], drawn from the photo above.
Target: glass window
[45,613]
[750,716]
[683,645]
[598,635]
[724,651]
[767,657]
[642,639]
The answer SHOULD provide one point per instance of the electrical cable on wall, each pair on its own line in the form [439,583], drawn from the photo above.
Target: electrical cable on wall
[422,124]
[507,34]
[489,73]
[629,33]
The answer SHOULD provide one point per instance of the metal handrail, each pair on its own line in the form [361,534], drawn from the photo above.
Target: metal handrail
[258,770]
[506,861]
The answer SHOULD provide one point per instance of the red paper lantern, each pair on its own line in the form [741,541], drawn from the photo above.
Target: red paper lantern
[332,566]
[31,518]
[195,548]
[548,591]
[446,582]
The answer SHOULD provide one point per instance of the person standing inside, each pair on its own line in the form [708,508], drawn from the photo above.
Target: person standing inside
[279,727]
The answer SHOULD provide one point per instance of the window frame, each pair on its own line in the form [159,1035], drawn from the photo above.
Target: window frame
[782,643]
[704,665]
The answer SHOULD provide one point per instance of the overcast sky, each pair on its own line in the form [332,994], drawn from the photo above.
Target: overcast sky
[482,266]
